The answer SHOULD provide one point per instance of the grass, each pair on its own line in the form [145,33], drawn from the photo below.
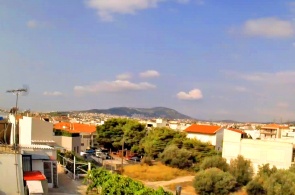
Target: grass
[156,172]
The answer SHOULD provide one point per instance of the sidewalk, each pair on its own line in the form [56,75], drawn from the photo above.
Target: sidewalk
[67,186]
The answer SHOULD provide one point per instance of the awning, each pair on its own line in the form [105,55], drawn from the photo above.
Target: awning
[37,155]
[33,176]
[35,187]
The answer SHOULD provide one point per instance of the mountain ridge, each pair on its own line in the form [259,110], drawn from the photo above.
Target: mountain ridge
[155,112]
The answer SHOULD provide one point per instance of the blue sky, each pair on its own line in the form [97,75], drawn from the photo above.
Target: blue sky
[208,59]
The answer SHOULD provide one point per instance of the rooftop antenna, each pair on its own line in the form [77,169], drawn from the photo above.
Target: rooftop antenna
[17,92]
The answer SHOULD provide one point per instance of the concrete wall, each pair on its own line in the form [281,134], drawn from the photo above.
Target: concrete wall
[219,140]
[9,175]
[260,152]
[203,137]
[34,129]
[37,165]
[69,143]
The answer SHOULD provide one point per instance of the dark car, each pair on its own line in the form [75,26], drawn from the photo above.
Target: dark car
[135,159]
[90,151]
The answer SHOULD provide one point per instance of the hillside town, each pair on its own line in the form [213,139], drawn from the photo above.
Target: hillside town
[31,144]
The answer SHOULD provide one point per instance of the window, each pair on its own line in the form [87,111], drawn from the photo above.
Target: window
[82,144]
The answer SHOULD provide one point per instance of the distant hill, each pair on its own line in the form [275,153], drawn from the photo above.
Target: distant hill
[157,112]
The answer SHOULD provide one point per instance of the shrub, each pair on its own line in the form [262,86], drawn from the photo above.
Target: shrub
[214,161]
[281,182]
[242,170]
[266,171]
[214,181]
[255,187]
[147,160]
[175,157]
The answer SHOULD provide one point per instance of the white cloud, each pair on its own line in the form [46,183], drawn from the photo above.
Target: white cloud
[114,86]
[106,8]
[149,74]
[268,27]
[124,76]
[32,24]
[194,94]
[54,93]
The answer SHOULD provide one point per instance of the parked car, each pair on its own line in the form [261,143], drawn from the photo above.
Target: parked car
[135,159]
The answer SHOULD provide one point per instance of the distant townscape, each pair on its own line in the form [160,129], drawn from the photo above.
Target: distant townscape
[37,147]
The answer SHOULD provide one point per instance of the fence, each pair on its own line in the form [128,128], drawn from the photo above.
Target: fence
[74,168]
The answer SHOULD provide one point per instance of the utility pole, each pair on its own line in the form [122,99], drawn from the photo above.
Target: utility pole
[122,155]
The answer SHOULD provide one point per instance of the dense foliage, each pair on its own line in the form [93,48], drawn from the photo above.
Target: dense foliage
[214,161]
[242,170]
[158,138]
[113,131]
[175,157]
[271,181]
[214,181]
[105,183]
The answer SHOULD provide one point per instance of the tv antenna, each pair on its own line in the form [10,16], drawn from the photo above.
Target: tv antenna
[17,92]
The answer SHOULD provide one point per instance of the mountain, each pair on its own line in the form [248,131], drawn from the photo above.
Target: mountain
[157,112]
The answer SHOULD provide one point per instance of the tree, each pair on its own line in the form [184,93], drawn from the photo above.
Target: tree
[158,138]
[255,187]
[280,182]
[242,170]
[175,157]
[110,134]
[214,161]
[213,181]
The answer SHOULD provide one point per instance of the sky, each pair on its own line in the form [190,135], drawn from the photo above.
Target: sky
[211,60]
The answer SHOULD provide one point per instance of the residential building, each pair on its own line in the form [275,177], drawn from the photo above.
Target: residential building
[75,136]
[276,152]
[206,133]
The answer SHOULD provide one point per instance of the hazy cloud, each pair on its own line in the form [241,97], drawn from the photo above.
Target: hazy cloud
[124,76]
[54,93]
[194,94]
[241,89]
[284,77]
[32,24]
[282,105]
[268,27]
[114,86]
[149,74]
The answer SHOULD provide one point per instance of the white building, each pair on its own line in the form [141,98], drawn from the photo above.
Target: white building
[276,152]
[206,133]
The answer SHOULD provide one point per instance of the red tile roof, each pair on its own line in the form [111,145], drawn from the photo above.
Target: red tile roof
[236,130]
[203,129]
[33,175]
[75,127]
[272,126]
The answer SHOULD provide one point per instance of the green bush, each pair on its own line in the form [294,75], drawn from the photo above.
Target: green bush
[242,170]
[214,181]
[175,157]
[107,183]
[214,161]
[281,182]
[255,187]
